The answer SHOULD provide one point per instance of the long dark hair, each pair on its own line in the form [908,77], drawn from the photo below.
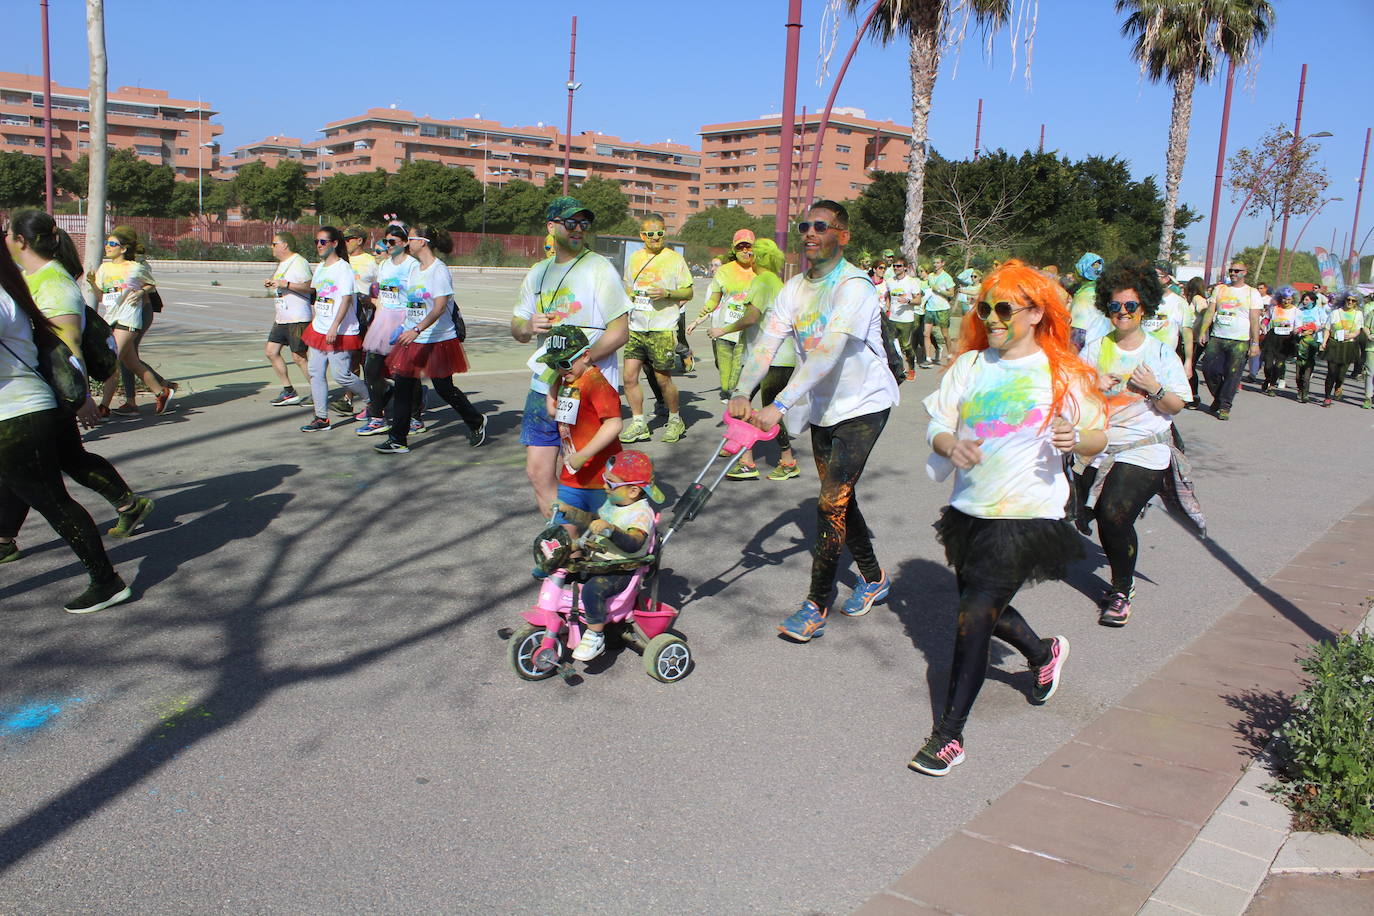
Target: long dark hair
[1194,288]
[12,281]
[335,236]
[41,233]
[440,242]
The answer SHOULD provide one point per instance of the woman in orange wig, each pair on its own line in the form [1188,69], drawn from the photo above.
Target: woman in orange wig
[1012,405]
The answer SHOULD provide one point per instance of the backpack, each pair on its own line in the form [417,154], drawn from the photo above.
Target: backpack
[97,346]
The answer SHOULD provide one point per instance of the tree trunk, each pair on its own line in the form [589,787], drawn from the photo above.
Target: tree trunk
[925,66]
[99,155]
[1180,118]
[1264,252]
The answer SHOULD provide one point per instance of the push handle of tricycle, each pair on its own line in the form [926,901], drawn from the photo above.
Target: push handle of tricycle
[741,434]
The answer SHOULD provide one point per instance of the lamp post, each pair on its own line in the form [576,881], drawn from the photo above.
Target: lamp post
[1355,227]
[573,86]
[47,110]
[1297,141]
[200,145]
[485,145]
[1298,240]
[1221,168]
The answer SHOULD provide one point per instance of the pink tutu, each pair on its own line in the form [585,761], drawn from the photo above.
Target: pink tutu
[432,360]
[383,328]
[343,343]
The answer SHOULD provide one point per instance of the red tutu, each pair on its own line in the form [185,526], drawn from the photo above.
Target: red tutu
[431,360]
[342,343]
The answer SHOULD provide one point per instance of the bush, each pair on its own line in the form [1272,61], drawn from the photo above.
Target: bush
[1327,765]
[489,253]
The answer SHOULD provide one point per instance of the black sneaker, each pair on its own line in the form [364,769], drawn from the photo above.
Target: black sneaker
[98,597]
[479,435]
[392,447]
[938,756]
[287,397]
[1047,675]
[319,424]
[10,552]
[131,519]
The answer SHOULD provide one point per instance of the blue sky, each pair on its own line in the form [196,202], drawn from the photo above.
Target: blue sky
[657,71]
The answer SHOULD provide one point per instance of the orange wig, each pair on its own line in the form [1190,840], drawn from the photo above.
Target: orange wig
[1022,285]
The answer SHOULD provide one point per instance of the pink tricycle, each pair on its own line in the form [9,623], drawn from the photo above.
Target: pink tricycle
[543,646]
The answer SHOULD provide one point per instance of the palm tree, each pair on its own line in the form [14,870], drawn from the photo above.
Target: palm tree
[1180,41]
[931,26]
[99,77]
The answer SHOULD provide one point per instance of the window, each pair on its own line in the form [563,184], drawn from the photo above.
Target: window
[84,144]
[748,201]
[842,166]
[843,131]
[770,167]
[146,132]
[771,149]
[183,151]
[183,133]
[429,130]
[770,184]
[843,149]
[148,150]
[768,201]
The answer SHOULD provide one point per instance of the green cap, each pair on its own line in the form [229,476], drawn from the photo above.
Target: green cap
[565,343]
[564,207]
[355,232]
[887,252]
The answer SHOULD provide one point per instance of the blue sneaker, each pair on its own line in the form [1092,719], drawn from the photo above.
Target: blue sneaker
[861,602]
[805,625]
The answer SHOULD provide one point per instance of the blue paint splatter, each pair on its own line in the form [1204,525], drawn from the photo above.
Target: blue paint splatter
[29,718]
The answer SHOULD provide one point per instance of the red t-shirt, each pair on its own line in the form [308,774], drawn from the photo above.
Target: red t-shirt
[592,401]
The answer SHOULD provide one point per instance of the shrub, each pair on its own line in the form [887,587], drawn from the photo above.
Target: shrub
[490,253]
[1327,748]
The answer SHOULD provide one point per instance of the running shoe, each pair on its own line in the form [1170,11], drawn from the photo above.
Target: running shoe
[911,375]
[743,471]
[805,625]
[102,411]
[341,405]
[164,399]
[863,598]
[287,397]
[1302,399]
[392,447]
[99,596]
[373,426]
[592,645]
[1367,404]
[784,472]
[9,552]
[479,435]
[131,519]
[1223,414]
[126,410]
[317,425]
[636,431]
[417,426]
[1270,393]
[1047,675]
[361,416]
[938,756]
[1326,402]
[674,429]
[1114,610]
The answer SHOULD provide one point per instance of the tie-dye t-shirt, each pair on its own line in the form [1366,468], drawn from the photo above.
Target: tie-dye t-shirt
[731,285]
[666,270]
[364,271]
[942,284]
[55,292]
[428,284]
[1234,305]
[903,295]
[637,516]
[1168,321]
[292,308]
[586,292]
[763,294]
[1006,402]
[1344,325]
[846,301]
[1085,316]
[1130,415]
[116,282]
[333,291]
[1283,320]
[394,282]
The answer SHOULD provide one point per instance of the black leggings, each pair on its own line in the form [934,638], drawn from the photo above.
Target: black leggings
[379,388]
[1125,492]
[405,392]
[774,381]
[30,469]
[598,590]
[1335,377]
[91,471]
[841,452]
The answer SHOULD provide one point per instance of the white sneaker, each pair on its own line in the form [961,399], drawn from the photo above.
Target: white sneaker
[1279,384]
[592,645]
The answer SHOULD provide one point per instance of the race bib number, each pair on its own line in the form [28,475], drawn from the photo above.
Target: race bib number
[1282,328]
[1340,335]
[416,312]
[732,309]
[1154,325]
[324,308]
[389,297]
[1233,319]
[642,301]
[566,410]
[109,300]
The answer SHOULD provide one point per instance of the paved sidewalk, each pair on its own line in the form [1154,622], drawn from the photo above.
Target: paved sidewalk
[1100,825]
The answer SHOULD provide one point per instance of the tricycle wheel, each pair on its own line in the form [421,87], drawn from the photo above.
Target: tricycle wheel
[524,647]
[667,658]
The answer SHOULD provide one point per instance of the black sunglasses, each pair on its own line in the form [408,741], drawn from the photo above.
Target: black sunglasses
[572,223]
[324,241]
[1004,310]
[1236,270]
[1131,307]
[819,225]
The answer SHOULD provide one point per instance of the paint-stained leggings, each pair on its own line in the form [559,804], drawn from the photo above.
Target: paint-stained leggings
[909,340]
[1308,348]
[841,452]
[31,469]
[728,363]
[91,471]
[406,392]
[1125,492]
[1226,362]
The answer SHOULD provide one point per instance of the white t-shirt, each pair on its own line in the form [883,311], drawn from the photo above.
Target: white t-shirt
[1168,320]
[1130,415]
[1086,316]
[394,282]
[883,303]
[292,307]
[845,300]
[1234,305]
[21,390]
[334,282]
[933,301]
[904,294]
[1006,403]
[942,284]
[585,291]
[428,284]
[666,270]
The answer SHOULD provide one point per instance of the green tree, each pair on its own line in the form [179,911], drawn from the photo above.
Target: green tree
[1297,185]
[601,195]
[361,198]
[137,187]
[277,193]
[516,207]
[1304,267]
[714,227]
[21,180]
[1179,41]
[431,193]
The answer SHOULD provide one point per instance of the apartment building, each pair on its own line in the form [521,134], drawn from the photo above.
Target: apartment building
[740,158]
[158,128]
[269,151]
[656,177]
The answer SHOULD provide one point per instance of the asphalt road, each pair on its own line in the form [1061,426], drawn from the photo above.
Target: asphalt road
[307,708]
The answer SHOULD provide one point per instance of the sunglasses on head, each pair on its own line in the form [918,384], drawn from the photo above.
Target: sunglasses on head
[1004,310]
[1130,307]
[652,233]
[819,225]
[573,223]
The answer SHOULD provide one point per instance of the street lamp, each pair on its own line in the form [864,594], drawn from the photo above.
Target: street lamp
[485,145]
[199,112]
[1329,200]
[1297,141]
